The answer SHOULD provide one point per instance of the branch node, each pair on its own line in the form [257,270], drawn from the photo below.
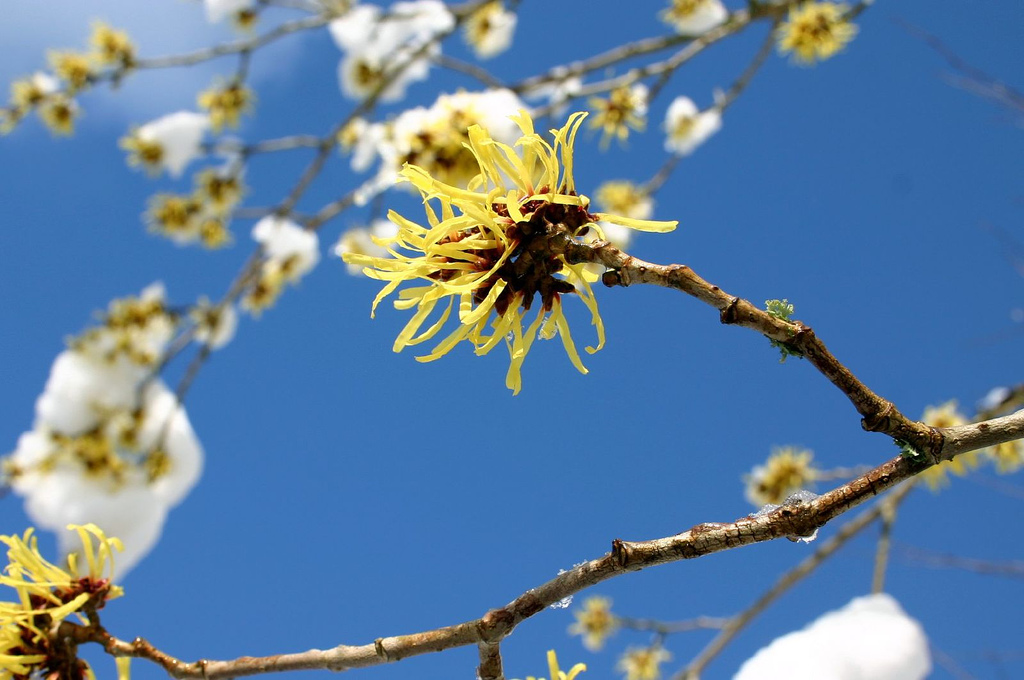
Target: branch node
[378,649]
[612,278]
[620,553]
[728,314]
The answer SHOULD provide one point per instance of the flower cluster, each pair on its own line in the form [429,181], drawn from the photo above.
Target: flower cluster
[110,443]
[786,471]
[225,103]
[814,31]
[386,51]
[289,253]
[686,127]
[168,143]
[51,95]
[46,595]
[435,138]
[595,622]
[494,254]
[243,13]
[202,216]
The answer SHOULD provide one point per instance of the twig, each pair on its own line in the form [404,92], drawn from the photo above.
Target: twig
[884,544]
[788,580]
[490,667]
[478,72]
[1010,569]
[664,628]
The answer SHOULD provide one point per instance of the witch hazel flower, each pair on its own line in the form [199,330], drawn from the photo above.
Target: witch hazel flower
[289,253]
[489,29]
[218,10]
[487,248]
[169,143]
[694,17]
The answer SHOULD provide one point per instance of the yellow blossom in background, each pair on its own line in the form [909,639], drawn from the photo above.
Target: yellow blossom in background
[143,153]
[268,287]
[947,415]
[1008,456]
[625,108]
[624,198]
[29,93]
[493,257]
[643,663]
[73,68]
[45,595]
[489,29]
[219,192]
[815,31]
[556,673]
[595,622]
[694,17]
[226,104]
[786,471]
[58,112]
[245,20]
[213,232]
[112,47]
[174,216]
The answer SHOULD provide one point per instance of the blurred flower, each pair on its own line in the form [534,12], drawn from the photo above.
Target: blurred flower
[215,324]
[687,128]
[219,190]
[218,10]
[30,92]
[112,47]
[489,30]
[815,31]
[170,142]
[174,216]
[625,108]
[58,113]
[245,19]
[694,17]
[493,255]
[289,253]
[1008,456]
[595,622]
[626,199]
[366,241]
[556,673]
[226,103]
[948,415]
[787,470]
[73,68]
[642,663]
[871,637]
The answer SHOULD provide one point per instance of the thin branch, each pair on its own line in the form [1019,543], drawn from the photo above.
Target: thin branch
[884,545]
[1010,569]
[788,580]
[490,667]
[664,628]
[237,47]
[472,70]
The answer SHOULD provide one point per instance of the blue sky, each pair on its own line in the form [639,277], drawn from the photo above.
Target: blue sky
[351,493]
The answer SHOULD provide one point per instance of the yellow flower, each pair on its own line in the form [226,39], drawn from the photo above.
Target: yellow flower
[59,113]
[643,663]
[947,415]
[174,216]
[815,31]
[112,47]
[143,153]
[625,107]
[558,674]
[226,104]
[1008,456]
[245,19]
[30,92]
[595,622]
[624,198]
[494,257]
[73,68]
[218,191]
[489,29]
[787,470]
[45,596]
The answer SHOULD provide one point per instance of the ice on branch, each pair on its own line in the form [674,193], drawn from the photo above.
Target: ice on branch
[871,637]
[366,241]
[694,17]
[170,142]
[110,444]
[493,255]
[377,44]
[489,30]
[686,127]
